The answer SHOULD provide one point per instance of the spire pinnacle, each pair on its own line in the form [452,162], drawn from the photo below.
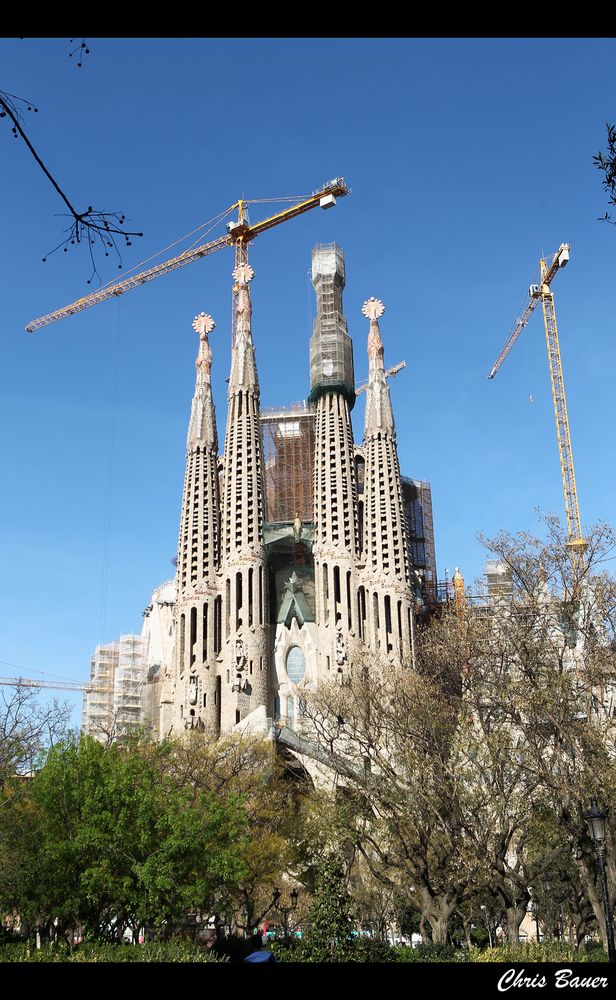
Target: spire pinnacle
[203,324]
[202,425]
[243,365]
[372,310]
[379,416]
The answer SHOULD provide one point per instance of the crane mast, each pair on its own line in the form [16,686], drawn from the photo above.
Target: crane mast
[565,451]
[239,234]
[576,543]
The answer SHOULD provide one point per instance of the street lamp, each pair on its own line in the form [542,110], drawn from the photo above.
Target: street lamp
[596,824]
[285,910]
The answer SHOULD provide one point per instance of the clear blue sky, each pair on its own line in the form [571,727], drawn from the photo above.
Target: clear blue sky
[467,158]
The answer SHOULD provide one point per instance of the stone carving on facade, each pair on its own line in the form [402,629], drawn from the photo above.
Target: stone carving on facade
[241,682]
[297,528]
[341,651]
[193,691]
[194,723]
[240,655]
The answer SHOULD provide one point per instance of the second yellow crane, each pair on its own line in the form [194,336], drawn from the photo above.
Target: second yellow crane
[576,543]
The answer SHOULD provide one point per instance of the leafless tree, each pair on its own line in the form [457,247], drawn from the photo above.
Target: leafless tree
[473,771]
[99,230]
[27,729]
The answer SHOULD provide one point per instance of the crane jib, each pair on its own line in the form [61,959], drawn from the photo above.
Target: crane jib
[238,234]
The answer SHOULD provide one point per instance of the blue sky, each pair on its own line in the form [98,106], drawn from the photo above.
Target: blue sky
[467,159]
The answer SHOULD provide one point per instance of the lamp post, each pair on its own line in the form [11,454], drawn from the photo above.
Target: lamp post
[285,910]
[596,823]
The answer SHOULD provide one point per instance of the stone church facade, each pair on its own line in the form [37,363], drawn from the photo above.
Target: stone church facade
[268,607]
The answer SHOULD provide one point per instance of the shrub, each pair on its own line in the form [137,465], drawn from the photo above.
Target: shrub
[533,951]
[151,951]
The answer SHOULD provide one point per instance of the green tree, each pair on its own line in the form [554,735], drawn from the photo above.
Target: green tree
[103,841]
[246,767]
[330,920]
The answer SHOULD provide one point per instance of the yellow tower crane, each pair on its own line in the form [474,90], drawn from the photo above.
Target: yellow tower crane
[576,543]
[239,234]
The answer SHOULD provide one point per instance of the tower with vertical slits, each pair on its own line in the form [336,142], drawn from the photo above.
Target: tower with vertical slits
[196,697]
[244,627]
[385,612]
[332,387]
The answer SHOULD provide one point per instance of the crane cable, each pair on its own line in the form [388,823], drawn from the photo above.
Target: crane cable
[107,509]
[211,223]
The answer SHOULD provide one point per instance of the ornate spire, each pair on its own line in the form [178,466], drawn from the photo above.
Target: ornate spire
[202,426]
[372,310]
[379,414]
[243,364]
[389,627]
[203,325]
[244,612]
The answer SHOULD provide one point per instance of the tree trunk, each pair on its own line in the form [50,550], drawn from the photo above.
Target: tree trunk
[515,916]
[439,926]
[579,931]
[438,912]
[588,878]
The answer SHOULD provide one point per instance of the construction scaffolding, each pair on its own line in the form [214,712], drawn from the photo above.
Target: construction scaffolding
[112,702]
[98,703]
[331,348]
[288,447]
[417,497]
[130,676]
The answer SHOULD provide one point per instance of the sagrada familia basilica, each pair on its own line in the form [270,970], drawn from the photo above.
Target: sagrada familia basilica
[287,559]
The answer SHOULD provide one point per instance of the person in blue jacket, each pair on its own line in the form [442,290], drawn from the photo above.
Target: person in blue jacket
[259,954]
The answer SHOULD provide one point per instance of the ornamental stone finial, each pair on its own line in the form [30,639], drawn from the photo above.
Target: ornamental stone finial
[243,273]
[203,324]
[373,309]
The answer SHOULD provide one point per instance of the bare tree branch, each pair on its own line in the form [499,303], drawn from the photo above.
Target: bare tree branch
[99,229]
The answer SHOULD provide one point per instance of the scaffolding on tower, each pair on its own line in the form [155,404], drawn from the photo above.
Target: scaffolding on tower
[417,496]
[288,448]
